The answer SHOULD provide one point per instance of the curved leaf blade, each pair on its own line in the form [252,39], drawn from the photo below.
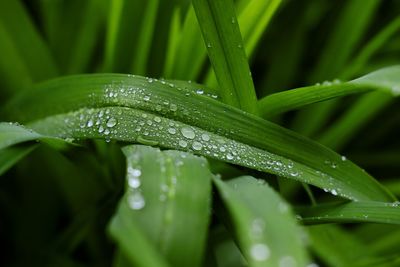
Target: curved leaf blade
[363,211]
[11,134]
[385,80]
[318,165]
[265,228]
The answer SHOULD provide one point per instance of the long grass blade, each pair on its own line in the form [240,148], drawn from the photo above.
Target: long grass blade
[385,80]
[224,43]
[147,30]
[373,212]
[250,141]
[264,226]
[37,57]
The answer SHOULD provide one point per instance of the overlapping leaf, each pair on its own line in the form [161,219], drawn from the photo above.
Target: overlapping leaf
[264,226]
[250,141]
[167,200]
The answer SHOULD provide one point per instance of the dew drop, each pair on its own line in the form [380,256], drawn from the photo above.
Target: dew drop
[197,146]
[133,181]
[205,137]
[199,92]
[157,119]
[229,156]
[136,200]
[146,98]
[188,132]
[260,252]
[101,129]
[287,261]
[173,107]
[111,122]
[182,143]
[90,123]
[171,130]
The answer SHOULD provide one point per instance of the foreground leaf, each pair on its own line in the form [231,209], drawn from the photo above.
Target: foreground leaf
[167,197]
[264,226]
[376,212]
[250,141]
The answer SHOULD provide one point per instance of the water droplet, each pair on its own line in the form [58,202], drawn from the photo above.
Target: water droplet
[396,90]
[157,119]
[260,252]
[257,227]
[136,200]
[134,172]
[101,129]
[205,137]
[229,156]
[188,132]
[173,107]
[146,98]
[283,207]
[133,181]
[111,122]
[171,130]
[199,92]
[182,143]
[287,261]
[197,146]
[90,123]
[209,45]
[343,158]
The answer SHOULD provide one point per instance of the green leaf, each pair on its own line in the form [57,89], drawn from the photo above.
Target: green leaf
[141,53]
[11,134]
[37,58]
[221,35]
[253,20]
[335,246]
[264,226]
[343,40]
[350,123]
[371,48]
[11,155]
[138,250]
[250,141]
[362,211]
[87,37]
[167,196]
[385,80]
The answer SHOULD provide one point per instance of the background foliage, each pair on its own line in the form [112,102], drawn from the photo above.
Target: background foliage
[203,157]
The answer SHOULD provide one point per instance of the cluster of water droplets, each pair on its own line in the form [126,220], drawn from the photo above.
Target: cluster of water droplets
[259,250]
[329,83]
[135,198]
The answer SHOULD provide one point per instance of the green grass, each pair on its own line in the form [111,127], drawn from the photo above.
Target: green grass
[122,144]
